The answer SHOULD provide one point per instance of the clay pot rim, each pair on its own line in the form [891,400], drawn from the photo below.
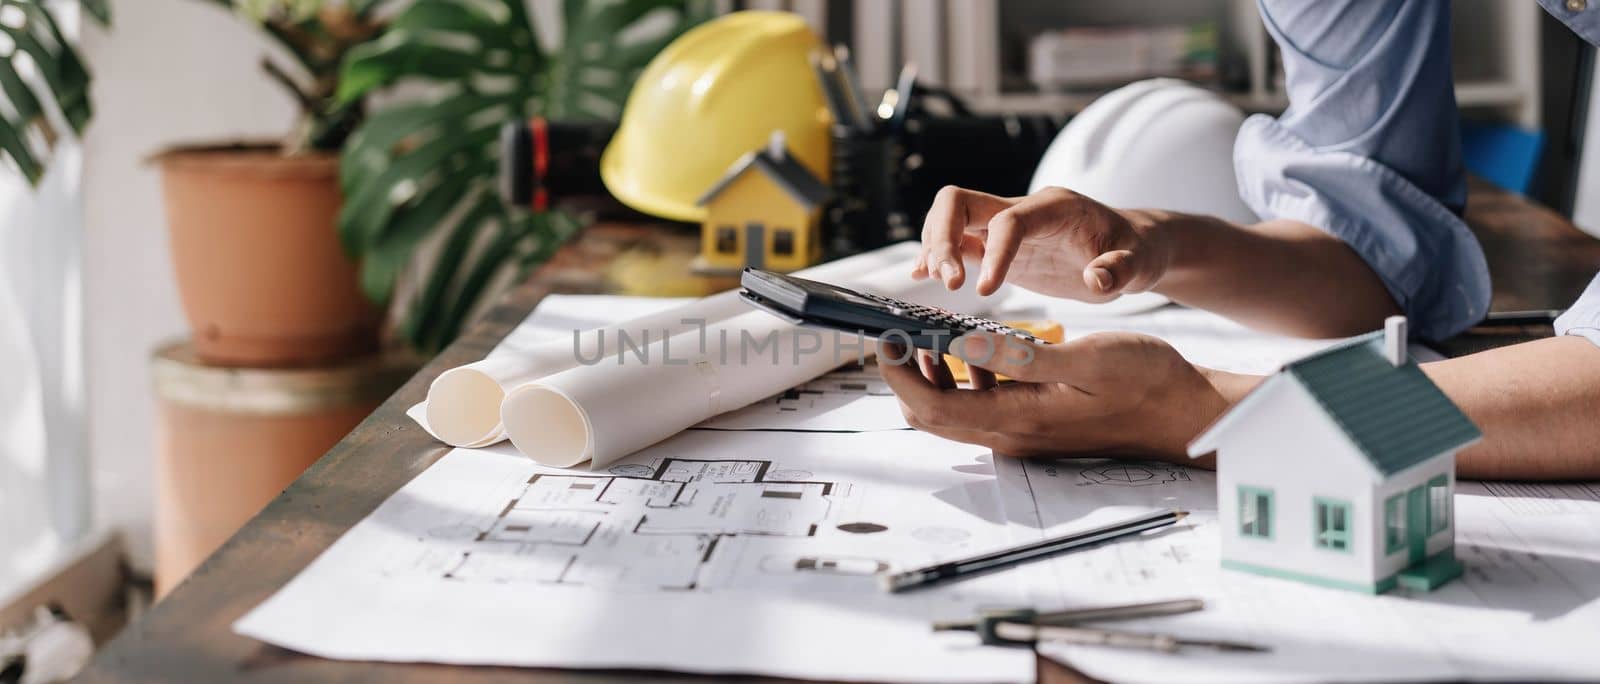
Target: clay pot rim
[181,377]
[246,158]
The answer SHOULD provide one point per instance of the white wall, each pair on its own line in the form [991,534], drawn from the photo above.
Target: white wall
[167,72]
[43,502]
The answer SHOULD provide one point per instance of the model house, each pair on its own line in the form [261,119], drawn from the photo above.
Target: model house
[1340,470]
[766,213]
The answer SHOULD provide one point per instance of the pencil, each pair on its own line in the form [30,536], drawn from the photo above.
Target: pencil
[1017,555]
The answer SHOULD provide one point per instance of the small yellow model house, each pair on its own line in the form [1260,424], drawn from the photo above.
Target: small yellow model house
[765,212]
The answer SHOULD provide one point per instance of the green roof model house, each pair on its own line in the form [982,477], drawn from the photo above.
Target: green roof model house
[1339,470]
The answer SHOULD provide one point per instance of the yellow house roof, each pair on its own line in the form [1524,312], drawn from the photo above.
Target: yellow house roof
[783,169]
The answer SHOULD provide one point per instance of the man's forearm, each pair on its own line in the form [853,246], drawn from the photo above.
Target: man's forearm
[1282,276]
[1538,405]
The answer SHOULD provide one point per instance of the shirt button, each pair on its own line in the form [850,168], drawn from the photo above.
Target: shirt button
[1577,5]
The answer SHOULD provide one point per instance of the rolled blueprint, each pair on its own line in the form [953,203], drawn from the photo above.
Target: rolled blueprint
[463,404]
[616,405]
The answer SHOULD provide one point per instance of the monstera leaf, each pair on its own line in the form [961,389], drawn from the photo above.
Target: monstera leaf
[426,171]
[60,83]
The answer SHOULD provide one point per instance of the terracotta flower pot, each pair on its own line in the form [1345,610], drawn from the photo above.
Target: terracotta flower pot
[230,439]
[263,278]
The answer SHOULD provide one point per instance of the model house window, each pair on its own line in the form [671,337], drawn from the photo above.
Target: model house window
[727,240]
[1255,512]
[1331,521]
[1438,504]
[783,242]
[1394,523]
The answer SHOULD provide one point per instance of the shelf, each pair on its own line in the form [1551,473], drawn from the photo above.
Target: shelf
[1489,94]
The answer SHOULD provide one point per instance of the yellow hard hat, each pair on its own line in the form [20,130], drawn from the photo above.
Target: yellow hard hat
[713,95]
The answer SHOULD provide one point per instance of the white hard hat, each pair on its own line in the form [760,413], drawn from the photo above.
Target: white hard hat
[1156,144]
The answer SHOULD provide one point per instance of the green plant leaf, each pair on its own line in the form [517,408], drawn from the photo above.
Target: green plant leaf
[26,111]
[57,62]
[424,328]
[100,10]
[600,53]
[27,136]
[425,172]
[371,202]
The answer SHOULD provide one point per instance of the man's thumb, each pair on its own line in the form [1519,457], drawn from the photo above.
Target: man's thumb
[1117,271]
[1012,357]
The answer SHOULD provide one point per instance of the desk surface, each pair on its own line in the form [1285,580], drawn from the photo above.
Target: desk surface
[1537,258]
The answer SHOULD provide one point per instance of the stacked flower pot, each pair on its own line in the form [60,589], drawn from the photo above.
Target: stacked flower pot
[283,357]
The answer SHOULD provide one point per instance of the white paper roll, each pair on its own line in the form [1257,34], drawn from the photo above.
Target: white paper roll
[463,404]
[628,401]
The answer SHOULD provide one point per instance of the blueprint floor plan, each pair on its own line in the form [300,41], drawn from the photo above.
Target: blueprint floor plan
[673,520]
[750,545]
[767,544]
[853,398]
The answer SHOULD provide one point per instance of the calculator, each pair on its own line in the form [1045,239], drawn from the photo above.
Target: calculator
[808,302]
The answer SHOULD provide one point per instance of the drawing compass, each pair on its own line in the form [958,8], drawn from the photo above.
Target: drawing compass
[1026,627]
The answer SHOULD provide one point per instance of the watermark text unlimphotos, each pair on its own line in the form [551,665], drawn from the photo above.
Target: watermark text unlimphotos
[740,347]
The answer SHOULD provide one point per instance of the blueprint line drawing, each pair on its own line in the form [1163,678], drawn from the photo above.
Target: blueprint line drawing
[721,552]
[668,519]
[751,548]
[850,399]
[830,391]
[1129,475]
[1529,598]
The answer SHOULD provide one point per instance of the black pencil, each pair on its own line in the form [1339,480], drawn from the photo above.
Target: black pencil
[1016,555]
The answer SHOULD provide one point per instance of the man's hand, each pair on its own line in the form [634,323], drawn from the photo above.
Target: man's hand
[1060,243]
[1107,393]
[1054,242]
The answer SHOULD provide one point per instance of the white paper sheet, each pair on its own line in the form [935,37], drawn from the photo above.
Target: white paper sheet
[463,403]
[611,406]
[854,399]
[730,552]
[1528,606]
[471,563]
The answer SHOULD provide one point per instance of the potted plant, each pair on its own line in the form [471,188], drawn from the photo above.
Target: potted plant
[261,274]
[60,87]
[425,171]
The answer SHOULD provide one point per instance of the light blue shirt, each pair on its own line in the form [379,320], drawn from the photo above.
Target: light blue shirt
[1369,150]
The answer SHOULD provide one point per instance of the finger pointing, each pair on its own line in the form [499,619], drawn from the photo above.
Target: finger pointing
[955,211]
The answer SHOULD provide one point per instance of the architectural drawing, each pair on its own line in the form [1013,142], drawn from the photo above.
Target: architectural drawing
[829,391]
[1529,596]
[713,551]
[596,569]
[851,399]
[1132,475]
[652,526]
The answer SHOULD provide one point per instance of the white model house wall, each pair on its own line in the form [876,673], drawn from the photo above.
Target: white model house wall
[1387,564]
[1289,446]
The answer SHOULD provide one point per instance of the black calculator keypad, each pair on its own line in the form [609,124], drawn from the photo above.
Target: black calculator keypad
[957,324]
[809,302]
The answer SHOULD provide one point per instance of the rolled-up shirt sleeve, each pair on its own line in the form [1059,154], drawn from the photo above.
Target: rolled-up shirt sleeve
[1369,150]
[1583,319]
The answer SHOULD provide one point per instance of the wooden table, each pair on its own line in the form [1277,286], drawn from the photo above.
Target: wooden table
[1537,258]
